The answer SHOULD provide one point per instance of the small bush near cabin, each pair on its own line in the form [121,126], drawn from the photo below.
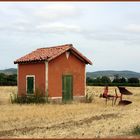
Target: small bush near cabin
[89,98]
[136,130]
[37,98]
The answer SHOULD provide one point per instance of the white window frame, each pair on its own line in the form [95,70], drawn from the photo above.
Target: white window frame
[34,83]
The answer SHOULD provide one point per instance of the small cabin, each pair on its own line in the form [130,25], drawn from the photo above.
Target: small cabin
[56,72]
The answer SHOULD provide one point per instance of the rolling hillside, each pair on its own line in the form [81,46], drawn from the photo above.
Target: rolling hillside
[110,73]
[9,71]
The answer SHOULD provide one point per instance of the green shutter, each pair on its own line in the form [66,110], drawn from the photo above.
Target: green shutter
[30,85]
[67,88]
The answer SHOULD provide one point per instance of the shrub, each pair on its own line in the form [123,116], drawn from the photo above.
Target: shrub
[136,130]
[89,98]
[36,98]
[13,97]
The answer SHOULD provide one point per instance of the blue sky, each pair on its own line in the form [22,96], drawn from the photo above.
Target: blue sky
[108,33]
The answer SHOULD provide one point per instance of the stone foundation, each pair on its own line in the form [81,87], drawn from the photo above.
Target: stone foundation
[59,99]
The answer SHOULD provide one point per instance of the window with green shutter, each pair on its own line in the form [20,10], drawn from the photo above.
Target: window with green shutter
[30,84]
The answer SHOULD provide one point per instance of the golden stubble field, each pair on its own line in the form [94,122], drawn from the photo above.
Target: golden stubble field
[76,120]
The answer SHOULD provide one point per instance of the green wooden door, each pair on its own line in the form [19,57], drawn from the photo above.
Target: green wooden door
[67,88]
[30,85]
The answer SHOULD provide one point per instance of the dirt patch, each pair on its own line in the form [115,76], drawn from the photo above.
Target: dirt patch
[65,125]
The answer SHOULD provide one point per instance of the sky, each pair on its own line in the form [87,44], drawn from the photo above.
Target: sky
[108,33]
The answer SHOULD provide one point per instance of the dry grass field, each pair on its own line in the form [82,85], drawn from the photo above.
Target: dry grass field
[75,120]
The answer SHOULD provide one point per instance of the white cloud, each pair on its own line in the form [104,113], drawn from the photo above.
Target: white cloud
[51,28]
[44,17]
[133,28]
[57,12]
[58,28]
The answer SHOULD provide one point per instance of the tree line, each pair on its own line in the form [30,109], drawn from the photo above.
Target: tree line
[8,80]
[117,81]
[11,80]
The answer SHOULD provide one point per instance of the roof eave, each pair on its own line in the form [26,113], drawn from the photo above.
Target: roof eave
[90,63]
[82,56]
[31,61]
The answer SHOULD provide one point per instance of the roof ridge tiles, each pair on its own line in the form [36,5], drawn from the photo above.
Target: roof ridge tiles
[58,46]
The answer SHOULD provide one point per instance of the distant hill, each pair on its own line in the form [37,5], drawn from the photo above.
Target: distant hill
[111,73]
[9,71]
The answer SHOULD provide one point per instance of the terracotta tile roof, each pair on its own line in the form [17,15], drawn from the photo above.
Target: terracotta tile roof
[47,54]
